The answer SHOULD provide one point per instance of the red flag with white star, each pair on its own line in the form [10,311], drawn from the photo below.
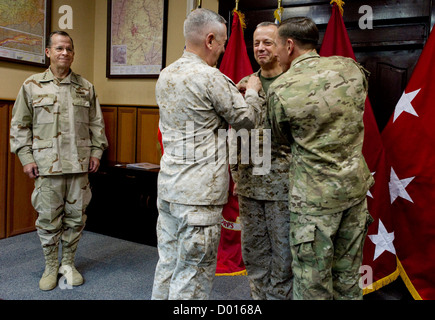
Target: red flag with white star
[379,260]
[409,142]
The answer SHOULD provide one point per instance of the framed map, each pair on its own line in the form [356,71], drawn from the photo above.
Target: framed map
[136,38]
[24,26]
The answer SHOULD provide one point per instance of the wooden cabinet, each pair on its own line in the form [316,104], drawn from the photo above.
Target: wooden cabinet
[124,204]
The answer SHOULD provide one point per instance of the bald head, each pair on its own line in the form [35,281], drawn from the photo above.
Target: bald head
[200,22]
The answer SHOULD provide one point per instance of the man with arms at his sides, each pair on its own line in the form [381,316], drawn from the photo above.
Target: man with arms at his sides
[57,131]
[196,102]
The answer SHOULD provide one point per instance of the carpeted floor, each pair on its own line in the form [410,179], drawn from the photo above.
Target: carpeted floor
[113,269]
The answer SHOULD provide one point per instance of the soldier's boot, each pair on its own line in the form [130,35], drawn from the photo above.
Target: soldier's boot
[67,268]
[49,277]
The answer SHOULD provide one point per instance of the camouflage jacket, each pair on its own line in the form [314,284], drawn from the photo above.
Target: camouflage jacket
[58,125]
[317,107]
[197,102]
[273,185]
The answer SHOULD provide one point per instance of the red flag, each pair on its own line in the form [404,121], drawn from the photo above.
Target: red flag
[408,139]
[378,261]
[235,65]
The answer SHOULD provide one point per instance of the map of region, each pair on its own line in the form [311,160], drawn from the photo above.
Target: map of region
[22,27]
[136,36]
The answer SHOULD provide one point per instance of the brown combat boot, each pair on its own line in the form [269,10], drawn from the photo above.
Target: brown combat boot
[67,268]
[49,277]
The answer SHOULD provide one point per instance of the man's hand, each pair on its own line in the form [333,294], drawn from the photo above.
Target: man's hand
[31,169]
[254,83]
[94,164]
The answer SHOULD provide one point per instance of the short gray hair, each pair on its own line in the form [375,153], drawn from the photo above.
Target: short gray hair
[266,24]
[200,22]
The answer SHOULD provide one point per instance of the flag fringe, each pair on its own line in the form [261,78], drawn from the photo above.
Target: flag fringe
[241,18]
[340,4]
[407,281]
[400,271]
[382,282]
[237,273]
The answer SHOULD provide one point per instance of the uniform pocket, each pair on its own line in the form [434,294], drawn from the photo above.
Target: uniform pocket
[302,241]
[43,107]
[43,152]
[81,109]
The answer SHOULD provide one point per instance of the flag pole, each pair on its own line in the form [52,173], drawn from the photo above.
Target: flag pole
[199,3]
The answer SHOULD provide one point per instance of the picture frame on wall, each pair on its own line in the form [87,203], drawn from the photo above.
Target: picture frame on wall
[136,38]
[24,30]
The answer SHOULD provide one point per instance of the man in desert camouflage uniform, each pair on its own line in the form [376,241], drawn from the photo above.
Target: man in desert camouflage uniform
[317,108]
[197,102]
[263,198]
[57,131]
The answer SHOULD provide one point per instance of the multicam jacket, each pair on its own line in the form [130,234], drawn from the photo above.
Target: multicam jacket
[272,185]
[58,125]
[197,102]
[317,107]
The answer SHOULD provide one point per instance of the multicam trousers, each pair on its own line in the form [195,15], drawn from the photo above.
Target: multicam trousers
[61,201]
[188,238]
[327,253]
[265,247]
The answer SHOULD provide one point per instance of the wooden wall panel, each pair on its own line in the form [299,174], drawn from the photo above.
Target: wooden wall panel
[110,115]
[147,128]
[4,145]
[126,144]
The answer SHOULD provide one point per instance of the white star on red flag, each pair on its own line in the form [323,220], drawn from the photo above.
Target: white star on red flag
[383,241]
[398,187]
[404,104]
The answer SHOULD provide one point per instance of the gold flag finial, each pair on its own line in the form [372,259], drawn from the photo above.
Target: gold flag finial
[278,12]
[237,5]
[198,5]
[340,4]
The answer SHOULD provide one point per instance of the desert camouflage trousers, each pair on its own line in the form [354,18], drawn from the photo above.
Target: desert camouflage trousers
[265,247]
[327,253]
[61,202]
[188,238]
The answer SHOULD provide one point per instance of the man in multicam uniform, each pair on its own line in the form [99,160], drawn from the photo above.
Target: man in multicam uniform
[317,108]
[263,199]
[197,102]
[57,131]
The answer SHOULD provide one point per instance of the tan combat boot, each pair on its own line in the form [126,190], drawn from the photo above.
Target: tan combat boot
[49,277]
[67,268]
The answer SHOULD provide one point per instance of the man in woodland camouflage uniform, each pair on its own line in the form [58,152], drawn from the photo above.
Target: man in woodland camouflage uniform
[317,108]
[197,102]
[263,198]
[57,131]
